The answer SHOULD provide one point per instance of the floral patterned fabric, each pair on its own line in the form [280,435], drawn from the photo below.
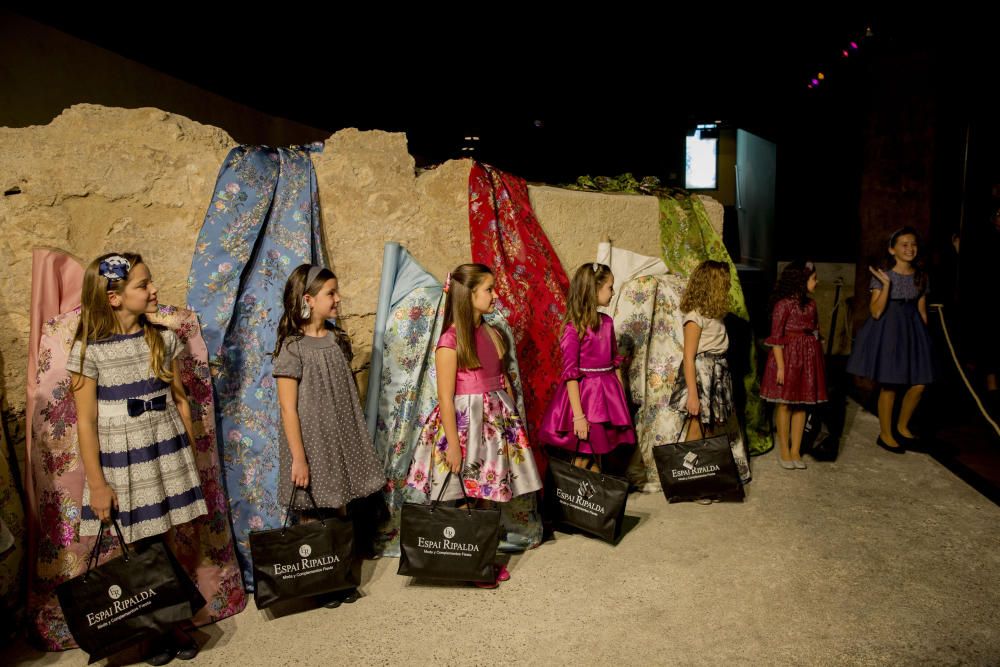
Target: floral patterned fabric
[714,385]
[262,223]
[402,392]
[497,458]
[507,237]
[649,328]
[204,546]
[626,265]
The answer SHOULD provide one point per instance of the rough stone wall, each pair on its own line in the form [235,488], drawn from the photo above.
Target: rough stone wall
[99,178]
[93,180]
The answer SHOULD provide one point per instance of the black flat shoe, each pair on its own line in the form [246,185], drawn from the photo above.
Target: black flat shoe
[160,653]
[889,448]
[332,601]
[187,648]
[350,597]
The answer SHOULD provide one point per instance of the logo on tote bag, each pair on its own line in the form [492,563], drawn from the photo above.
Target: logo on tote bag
[692,471]
[307,565]
[446,547]
[581,501]
[121,608]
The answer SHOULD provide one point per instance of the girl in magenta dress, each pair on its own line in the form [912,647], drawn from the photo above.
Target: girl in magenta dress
[589,406]
[794,377]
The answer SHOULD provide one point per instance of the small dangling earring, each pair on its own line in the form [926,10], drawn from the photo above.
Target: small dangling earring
[306,311]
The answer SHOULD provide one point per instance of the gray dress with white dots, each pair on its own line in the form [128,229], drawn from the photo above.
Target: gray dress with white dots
[342,462]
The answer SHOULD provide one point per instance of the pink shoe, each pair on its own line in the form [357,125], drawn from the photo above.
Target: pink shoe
[487,584]
[503,574]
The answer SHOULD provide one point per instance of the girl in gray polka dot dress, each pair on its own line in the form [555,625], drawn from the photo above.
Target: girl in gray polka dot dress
[325,446]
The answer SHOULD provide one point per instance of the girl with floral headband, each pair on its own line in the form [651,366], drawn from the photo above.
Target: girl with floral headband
[134,420]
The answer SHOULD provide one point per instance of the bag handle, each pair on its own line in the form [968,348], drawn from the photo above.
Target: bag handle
[704,436]
[687,420]
[596,458]
[95,553]
[434,503]
[288,512]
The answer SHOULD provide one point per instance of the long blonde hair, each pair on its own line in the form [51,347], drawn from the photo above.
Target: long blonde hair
[458,311]
[581,306]
[98,320]
[708,290]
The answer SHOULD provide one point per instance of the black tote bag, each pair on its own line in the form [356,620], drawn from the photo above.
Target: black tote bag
[304,560]
[441,542]
[593,502]
[698,469]
[137,596]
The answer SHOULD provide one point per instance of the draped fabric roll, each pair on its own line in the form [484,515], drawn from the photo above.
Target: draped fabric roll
[687,238]
[56,280]
[263,221]
[12,539]
[507,237]
[625,266]
[647,323]
[402,391]
[204,546]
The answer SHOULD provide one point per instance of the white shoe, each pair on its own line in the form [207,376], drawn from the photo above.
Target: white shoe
[799,464]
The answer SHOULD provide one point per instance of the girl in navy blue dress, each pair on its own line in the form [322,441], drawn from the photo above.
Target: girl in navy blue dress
[893,346]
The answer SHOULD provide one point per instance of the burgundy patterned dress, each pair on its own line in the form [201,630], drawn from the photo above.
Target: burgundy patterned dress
[794,329]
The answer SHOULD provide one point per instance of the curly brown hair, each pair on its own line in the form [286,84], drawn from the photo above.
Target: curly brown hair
[708,290]
[792,283]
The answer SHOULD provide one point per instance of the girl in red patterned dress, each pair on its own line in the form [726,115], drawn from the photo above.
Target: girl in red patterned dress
[794,377]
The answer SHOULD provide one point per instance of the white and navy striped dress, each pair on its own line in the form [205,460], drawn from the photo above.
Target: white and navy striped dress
[146,459]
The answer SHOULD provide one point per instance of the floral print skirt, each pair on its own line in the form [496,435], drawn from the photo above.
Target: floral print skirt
[497,462]
[715,389]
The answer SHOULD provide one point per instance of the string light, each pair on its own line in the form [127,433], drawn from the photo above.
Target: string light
[853,45]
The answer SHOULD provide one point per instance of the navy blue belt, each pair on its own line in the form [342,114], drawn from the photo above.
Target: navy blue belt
[137,406]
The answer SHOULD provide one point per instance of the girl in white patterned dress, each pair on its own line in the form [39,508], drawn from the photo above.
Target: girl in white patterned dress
[134,420]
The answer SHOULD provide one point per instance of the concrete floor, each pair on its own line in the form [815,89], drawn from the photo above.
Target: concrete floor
[876,559]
